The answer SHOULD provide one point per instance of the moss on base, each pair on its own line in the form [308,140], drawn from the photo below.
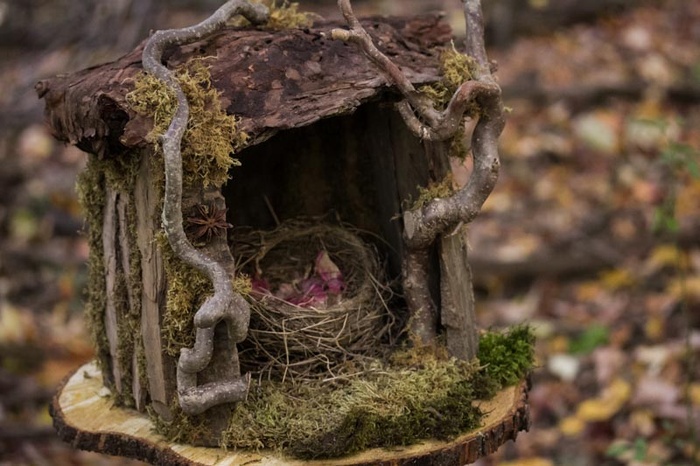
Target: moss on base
[418,394]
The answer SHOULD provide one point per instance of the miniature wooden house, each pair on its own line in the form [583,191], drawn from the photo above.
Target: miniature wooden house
[321,134]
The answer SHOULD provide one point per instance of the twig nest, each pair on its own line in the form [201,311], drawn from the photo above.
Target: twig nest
[317,299]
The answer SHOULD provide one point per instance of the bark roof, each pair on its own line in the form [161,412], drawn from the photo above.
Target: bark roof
[272,80]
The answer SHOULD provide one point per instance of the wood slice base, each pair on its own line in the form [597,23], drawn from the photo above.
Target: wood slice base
[85,417]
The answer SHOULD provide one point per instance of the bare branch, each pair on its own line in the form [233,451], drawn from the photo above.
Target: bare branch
[474,22]
[422,226]
[224,303]
[480,98]
[440,215]
[358,35]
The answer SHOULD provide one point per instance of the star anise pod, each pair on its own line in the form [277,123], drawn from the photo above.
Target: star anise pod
[208,221]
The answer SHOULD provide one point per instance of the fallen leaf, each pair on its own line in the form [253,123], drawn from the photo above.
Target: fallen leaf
[536,461]
[652,390]
[571,426]
[607,405]
[694,393]
[17,326]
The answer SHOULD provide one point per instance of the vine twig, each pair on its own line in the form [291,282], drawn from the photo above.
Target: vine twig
[424,225]
[224,304]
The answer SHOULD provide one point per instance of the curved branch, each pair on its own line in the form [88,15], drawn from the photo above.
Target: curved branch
[422,226]
[358,35]
[224,303]
[474,39]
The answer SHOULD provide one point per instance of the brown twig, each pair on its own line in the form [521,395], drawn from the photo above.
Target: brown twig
[482,98]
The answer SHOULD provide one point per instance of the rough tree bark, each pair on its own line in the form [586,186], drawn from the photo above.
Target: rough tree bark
[224,304]
[423,226]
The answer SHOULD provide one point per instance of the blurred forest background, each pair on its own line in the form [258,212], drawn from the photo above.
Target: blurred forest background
[592,234]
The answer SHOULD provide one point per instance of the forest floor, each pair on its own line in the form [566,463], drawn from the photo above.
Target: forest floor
[592,236]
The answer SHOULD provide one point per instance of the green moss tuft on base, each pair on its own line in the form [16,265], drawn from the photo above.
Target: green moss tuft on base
[507,357]
[418,394]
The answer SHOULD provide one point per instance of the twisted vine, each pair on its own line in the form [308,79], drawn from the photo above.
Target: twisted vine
[422,226]
[224,304]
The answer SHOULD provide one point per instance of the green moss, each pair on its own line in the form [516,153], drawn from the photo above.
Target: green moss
[507,357]
[182,428]
[418,394]
[211,136]
[90,188]
[455,69]
[435,190]
[285,15]
[187,290]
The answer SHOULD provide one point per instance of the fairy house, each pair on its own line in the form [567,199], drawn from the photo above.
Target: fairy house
[315,129]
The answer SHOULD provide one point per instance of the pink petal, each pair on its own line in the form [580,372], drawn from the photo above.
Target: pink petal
[326,268]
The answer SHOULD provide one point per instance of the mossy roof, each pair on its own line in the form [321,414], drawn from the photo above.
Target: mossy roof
[271,80]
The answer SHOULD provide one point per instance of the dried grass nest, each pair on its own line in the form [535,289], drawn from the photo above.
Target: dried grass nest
[291,341]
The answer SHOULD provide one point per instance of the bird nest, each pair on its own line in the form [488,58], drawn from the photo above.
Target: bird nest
[318,300]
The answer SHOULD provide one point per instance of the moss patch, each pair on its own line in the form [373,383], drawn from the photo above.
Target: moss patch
[283,15]
[211,136]
[507,357]
[455,69]
[434,190]
[187,290]
[90,188]
[418,394]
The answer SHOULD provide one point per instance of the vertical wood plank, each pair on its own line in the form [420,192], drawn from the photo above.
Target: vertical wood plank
[153,288]
[457,295]
[133,302]
[457,314]
[110,226]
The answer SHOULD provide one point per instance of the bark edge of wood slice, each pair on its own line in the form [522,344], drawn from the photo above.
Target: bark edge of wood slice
[85,417]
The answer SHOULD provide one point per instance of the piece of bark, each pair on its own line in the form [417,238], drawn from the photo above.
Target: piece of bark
[89,421]
[457,314]
[111,319]
[271,80]
[160,367]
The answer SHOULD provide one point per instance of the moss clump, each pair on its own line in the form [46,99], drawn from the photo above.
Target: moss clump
[211,136]
[420,393]
[434,190]
[182,428]
[90,188]
[389,405]
[187,290]
[507,357]
[285,15]
[455,69]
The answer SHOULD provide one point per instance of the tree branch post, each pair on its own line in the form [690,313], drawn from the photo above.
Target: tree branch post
[424,225]
[224,304]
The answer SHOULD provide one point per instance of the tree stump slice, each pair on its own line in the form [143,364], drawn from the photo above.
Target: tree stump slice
[85,416]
